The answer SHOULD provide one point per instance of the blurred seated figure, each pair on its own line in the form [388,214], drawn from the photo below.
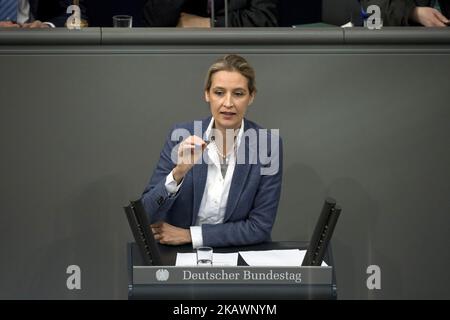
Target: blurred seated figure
[411,12]
[35,13]
[425,13]
[196,13]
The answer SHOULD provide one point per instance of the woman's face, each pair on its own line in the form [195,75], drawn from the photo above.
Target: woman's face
[229,99]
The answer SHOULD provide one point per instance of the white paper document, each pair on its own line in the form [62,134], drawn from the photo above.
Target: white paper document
[275,258]
[348,25]
[186,260]
[225,259]
[219,259]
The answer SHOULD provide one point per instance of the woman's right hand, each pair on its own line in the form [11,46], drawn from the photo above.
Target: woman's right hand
[189,152]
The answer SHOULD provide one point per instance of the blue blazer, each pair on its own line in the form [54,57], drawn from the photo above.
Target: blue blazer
[252,201]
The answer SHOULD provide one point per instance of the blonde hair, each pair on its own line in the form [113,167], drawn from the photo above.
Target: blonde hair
[232,62]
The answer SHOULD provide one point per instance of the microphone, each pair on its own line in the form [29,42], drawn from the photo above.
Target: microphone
[226,13]
[322,233]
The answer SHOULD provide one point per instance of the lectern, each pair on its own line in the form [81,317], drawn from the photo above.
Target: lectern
[165,282]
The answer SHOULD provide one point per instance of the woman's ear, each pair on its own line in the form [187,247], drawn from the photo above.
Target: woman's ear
[206,96]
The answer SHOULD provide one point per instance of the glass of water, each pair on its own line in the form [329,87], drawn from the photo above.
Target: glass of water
[122,21]
[204,256]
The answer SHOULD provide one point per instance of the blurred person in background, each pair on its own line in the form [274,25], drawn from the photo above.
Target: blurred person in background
[35,13]
[412,12]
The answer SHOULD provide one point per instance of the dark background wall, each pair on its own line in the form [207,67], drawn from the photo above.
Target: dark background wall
[340,12]
[299,12]
[100,12]
[368,127]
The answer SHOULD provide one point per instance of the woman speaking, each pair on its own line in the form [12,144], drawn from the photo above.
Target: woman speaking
[218,181]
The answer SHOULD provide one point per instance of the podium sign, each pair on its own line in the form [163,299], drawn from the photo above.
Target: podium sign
[300,276]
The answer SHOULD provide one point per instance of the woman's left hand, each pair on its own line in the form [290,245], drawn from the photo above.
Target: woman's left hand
[166,233]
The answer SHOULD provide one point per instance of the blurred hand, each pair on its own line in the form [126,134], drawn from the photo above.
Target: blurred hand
[189,152]
[428,17]
[168,234]
[35,25]
[9,24]
[192,21]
